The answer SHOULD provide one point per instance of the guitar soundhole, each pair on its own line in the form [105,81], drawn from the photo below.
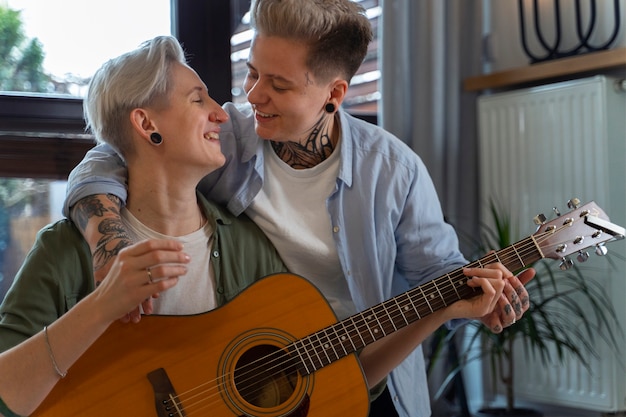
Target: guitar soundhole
[265,377]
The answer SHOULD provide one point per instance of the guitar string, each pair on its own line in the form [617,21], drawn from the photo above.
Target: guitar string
[494,256]
[273,361]
[486,259]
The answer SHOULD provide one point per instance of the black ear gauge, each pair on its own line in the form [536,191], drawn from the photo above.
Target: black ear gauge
[330,108]
[156,138]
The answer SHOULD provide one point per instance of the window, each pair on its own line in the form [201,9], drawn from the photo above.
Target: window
[49,52]
[56,46]
[26,205]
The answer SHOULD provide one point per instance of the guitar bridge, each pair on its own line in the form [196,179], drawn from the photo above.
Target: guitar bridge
[165,398]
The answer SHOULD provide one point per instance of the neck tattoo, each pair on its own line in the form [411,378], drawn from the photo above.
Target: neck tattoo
[317,147]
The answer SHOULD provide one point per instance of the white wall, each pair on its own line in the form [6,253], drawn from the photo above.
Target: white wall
[503,25]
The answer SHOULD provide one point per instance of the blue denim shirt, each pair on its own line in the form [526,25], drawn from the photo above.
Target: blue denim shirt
[386,217]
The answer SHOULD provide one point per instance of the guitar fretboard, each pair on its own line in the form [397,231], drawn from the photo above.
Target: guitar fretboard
[354,333]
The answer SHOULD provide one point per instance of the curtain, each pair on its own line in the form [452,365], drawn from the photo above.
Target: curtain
[428,48]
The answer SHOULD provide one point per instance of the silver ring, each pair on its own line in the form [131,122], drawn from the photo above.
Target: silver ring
[149,276]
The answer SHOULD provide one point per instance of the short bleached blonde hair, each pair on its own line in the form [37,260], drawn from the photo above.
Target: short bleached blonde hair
[139,78]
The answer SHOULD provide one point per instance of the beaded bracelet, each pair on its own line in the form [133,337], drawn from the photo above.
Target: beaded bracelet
[54,362]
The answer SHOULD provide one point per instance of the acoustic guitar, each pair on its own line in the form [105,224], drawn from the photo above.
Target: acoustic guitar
[277,348]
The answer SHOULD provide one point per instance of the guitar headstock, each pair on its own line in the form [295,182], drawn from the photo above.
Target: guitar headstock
[575,231]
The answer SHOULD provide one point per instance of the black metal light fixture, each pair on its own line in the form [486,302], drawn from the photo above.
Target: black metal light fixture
[552,50]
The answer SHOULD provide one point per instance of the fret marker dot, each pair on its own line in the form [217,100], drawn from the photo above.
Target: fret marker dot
[326,346]
[375,330]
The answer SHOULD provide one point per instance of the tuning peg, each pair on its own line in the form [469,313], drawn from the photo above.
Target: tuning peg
[601,250]
[573,203]
[566,264]
[539,219]
[582,256]
[556,211]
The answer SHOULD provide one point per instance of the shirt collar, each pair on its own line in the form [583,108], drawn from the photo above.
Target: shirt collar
[214,213]
[346,145]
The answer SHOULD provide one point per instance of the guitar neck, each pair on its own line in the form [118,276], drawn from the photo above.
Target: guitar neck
[354,333]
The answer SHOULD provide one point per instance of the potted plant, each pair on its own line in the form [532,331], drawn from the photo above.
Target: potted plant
[567,314]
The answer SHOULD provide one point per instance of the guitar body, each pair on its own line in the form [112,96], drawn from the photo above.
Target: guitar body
[227,362]
[277,349]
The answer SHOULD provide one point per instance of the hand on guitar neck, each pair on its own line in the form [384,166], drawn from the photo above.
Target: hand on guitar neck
[503,300]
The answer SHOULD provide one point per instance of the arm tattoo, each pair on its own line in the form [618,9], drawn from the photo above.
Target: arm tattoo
[317,148]
[111,229]
[85,209]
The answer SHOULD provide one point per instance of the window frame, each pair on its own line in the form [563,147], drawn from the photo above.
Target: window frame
[43,136]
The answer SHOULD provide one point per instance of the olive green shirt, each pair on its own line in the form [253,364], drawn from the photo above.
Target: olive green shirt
[58,271]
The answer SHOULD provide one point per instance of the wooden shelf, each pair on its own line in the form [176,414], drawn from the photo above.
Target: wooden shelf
[558,68]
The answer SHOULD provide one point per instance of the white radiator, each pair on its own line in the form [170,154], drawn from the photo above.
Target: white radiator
[539,147]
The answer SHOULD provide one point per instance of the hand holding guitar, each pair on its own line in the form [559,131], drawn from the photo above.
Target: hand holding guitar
[138,271]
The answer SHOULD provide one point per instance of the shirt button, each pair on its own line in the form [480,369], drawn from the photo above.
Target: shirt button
[216,254]
[335,229]
[220,290]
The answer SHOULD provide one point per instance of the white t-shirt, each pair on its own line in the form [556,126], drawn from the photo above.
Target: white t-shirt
[195,291]
[291,210]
